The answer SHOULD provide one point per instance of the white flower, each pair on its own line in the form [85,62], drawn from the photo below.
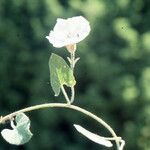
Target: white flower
[69,31]
[93,137]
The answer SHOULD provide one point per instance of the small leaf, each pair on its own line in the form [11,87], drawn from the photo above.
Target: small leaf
[69,59]
[93,137]
[76,60]
[60,73]
[20,134]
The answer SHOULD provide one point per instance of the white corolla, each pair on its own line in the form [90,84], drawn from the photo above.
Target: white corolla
[69,31]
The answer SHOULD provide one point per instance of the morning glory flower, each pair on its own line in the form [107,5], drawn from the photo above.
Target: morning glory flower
[68,32]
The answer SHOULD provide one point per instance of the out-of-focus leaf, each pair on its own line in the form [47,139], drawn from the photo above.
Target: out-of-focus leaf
[20,134]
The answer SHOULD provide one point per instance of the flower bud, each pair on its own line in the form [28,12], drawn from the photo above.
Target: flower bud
[71,48]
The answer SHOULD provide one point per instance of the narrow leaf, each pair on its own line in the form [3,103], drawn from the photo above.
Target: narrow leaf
[93,137]
[60,73]
[20,134]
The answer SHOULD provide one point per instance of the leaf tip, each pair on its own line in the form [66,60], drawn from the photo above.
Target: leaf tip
[93,137]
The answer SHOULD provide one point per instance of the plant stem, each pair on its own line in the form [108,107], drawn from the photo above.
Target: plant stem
[72,58]
[72,94]
[63,105]
[65,94]
[72,65]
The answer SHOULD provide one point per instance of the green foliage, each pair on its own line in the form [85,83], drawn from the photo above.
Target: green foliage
[60,73]
[21,133]
[112,74]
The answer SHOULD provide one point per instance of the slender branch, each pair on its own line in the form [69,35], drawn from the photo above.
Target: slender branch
[63,105]
[65,94]
[72,94]
[72,65]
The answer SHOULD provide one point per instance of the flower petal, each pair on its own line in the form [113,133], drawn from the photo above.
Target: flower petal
[69,31]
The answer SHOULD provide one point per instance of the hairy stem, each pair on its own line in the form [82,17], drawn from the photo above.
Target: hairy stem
[63,105]
[72,58]
[72,65]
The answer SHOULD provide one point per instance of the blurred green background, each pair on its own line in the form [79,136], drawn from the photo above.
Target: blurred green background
[113,74]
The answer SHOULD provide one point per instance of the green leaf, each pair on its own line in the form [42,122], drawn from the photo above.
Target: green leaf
[20,134]
[60,73]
